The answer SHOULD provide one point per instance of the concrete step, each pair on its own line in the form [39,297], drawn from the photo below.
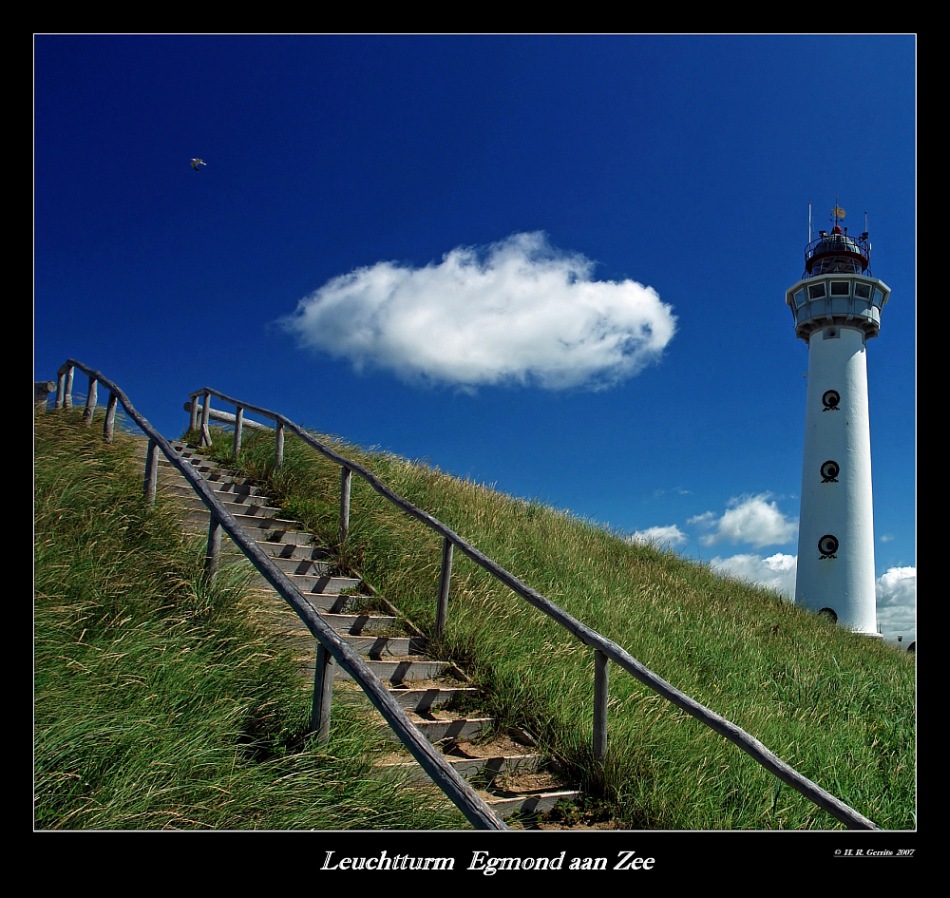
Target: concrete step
[439,729]
[362,624]
[484,770]
[323,584]
[271,530]
[382,647]
[531,804]
[336,603]
[372,649]
[425,699]
[403,670]
[236,503]
[288,556]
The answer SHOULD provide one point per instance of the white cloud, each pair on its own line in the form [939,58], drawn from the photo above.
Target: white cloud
[897,603]
[660,537]
[776,572]
[896,589]
[517,311]
[750,519]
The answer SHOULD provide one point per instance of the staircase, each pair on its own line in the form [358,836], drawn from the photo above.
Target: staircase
[505,767]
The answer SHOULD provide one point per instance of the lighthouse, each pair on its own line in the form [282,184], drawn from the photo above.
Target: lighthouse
[836,307]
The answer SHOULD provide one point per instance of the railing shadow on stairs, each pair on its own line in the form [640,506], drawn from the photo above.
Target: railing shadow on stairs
[332,649]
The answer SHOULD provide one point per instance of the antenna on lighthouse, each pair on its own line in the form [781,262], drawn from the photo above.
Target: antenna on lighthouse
[809,224]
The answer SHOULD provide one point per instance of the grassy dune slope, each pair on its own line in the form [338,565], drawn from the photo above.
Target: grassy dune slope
[157,702]
[838,707]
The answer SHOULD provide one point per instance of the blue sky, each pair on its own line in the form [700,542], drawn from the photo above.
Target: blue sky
[553,264]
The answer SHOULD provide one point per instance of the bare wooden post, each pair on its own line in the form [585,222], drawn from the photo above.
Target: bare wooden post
[90,408]
[108,428]
[205,414]
[67,391]
[151,472]
[213,556]
[238,428]
[322,694]
[193,413]
[279,446]
[41,391]
[346,482]
[445,579]
[600,704]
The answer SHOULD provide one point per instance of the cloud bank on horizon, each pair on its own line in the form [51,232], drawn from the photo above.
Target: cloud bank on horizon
[757,520]
[518,311]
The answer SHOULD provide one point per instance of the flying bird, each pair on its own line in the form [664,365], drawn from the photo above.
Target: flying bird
[197,163]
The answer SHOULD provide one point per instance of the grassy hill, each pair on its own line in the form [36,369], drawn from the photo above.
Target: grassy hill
[838,707]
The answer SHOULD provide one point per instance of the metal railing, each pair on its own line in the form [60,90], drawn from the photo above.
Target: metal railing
[332,649]
[605,650]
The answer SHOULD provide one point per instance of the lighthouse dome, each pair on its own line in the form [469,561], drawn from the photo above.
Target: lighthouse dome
[835,251]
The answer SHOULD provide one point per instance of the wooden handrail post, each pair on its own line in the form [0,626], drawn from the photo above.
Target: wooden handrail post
[346,485]
[205,439]
[108,428]
[90,409]
[41,391]
[193,413]
[238,429]
[445,580]
[213,555]
[67,391]
[279,446]
[151,472]
[600,704]
[322,694]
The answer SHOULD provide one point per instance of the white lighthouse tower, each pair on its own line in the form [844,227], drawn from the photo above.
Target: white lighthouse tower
[837,308]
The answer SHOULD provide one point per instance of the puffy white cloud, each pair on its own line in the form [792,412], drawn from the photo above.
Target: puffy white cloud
[755,520]
[776,572]
[517,311]
[660,537]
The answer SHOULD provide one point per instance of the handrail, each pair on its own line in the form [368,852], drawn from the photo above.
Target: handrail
[604,648]
[475,809]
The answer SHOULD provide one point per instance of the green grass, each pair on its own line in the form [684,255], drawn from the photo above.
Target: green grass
[157,707]
[157,704]
[837,706]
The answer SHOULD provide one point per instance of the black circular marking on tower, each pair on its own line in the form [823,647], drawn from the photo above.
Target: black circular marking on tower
[828,545]
[830,614]
[830,471]
[830,399]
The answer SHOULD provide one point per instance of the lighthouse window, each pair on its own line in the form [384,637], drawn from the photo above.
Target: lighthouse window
[830,399]
[840,288]
[862,290]
[830,333]
[878,297]
[830,471]
[799,298]
[816,291]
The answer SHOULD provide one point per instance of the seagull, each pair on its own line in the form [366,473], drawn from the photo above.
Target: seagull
[197,163]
